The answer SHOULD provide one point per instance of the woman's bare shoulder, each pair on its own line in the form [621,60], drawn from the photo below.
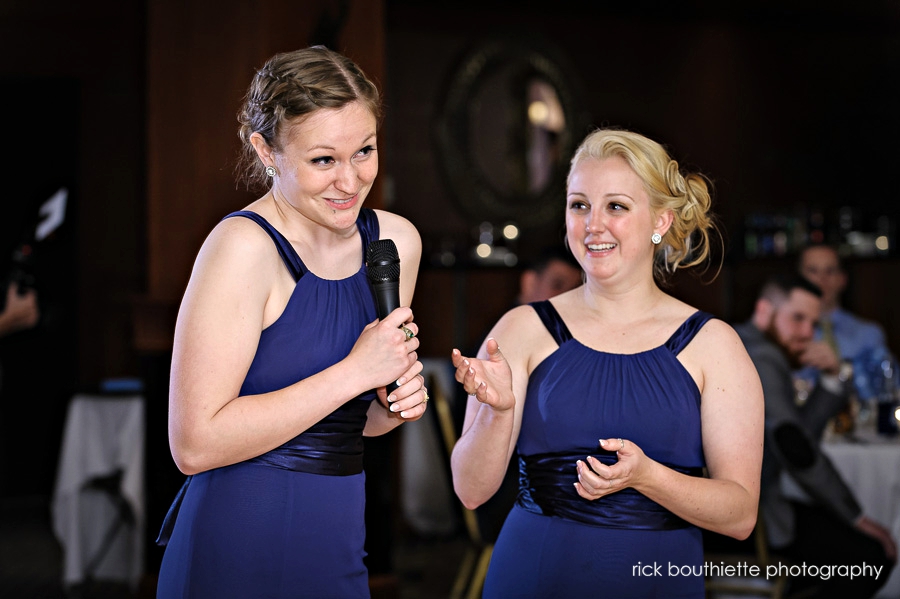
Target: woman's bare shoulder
[522,336]
[238,244]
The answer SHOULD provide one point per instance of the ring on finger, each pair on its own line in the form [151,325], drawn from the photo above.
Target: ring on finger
[408,332]
[425,393]
[621,444]
[610,483]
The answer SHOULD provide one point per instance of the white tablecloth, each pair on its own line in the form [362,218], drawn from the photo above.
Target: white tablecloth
[871,467]
[102,435]
[872,470]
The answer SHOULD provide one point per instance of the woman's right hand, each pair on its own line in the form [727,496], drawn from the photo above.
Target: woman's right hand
[383,353]
[490,381]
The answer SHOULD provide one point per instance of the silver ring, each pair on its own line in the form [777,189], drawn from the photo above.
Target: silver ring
[622,443]
[609,480]
[408,332]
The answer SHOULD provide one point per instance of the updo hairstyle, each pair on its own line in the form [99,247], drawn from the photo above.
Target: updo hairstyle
[687,195]
[292,85]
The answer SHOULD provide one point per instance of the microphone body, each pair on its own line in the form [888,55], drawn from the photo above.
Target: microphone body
[387,297]
[383,272]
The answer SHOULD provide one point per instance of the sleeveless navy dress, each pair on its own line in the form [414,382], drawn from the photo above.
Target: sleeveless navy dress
[557,544]
[288,523]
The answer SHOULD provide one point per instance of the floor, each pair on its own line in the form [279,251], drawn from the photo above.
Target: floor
[30,562]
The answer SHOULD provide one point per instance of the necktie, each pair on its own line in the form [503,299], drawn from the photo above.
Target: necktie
[828,335]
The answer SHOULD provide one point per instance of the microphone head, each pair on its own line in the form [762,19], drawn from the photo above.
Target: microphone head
[382,261]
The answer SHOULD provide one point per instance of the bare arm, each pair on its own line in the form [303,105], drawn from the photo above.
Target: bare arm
[732,413]
[216,337]
[497,381]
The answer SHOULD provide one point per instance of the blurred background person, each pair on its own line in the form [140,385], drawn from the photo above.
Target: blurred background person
[20,312]
[849,334]
[827,526]
[554,271]
[856,342]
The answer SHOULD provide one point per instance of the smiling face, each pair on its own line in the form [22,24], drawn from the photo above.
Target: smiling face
[328,165]
[608,219]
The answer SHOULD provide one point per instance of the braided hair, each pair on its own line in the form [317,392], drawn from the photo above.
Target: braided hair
[292,85]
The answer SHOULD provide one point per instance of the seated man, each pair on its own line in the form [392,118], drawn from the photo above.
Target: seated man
[829,527]
[553,272]
[858,342]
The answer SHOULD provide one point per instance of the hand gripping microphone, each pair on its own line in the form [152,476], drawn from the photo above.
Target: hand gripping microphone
[383,271]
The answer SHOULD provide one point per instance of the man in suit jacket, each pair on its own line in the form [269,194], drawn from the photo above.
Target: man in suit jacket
[828,526]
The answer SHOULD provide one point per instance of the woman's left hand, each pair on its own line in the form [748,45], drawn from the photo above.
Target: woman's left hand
[596,479]
[409,400]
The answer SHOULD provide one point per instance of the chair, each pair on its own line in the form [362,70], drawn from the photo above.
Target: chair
[110,486]
[473,569]
[757,586]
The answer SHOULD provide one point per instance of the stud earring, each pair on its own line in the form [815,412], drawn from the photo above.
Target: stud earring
[270,171]
[656,238]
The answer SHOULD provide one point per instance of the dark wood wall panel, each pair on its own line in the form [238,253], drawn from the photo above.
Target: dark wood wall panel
[200,62]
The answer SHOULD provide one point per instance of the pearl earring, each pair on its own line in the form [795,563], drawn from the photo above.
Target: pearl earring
[270,171]
[656,238]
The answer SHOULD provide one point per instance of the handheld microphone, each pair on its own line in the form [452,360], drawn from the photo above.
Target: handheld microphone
[383,271]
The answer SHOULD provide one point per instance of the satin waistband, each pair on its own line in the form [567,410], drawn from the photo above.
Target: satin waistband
[547,487]
[331,447]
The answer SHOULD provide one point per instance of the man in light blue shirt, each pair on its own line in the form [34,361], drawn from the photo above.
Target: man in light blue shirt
[859,343]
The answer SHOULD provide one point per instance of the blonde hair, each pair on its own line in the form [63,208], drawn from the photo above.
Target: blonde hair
[292,85]
[687,195]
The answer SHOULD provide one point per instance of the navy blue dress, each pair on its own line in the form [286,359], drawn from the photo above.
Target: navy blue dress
[557,544]
[289,523]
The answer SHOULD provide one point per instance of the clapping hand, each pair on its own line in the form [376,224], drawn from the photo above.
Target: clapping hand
[490,380]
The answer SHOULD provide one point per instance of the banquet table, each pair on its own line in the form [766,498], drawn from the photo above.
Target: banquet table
[98,500]
[870,465]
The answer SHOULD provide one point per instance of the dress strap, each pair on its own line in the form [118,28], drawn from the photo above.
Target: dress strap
[367,223]
[287,252]
[552,320]
[686,332]
[369,230]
